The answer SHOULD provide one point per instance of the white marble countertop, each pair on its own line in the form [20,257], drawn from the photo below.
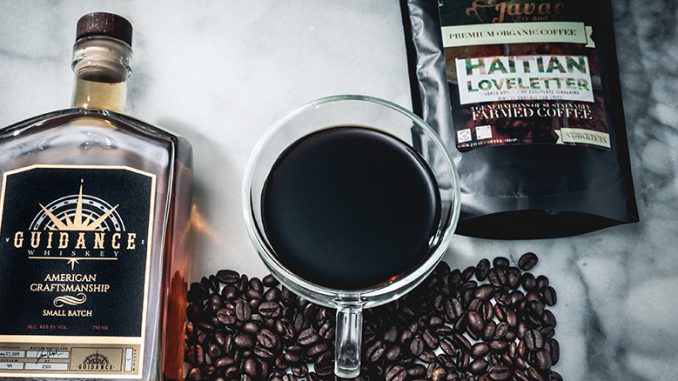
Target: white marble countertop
[220,73]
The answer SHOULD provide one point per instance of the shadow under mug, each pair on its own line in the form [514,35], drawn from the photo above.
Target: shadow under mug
[380,115]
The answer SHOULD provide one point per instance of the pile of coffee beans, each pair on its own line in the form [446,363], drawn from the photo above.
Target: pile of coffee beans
[489,322]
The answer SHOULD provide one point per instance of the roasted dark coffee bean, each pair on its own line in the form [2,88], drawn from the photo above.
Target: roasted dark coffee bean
[515,298]
[228,276]
[308,337]
[270,309]
[317,350]
[542,360]
[253,295]
[226,316]
[534,340]
[550,296]
[554,350]
[284,329]
[267,339]
[498,346]
[243,284]
[430,339]
[417,346]
[500,262]
[542,282]
[499,312]
[448,346]
[500,373]
[269,281]
[427,356]
[442,268]
[416,370]
[435,371]
[396,373]
[263,353]
[502,329]
[243,312]
[549,319]
[300,370]
[229,293]
[484,292]
[392,353]
[478,366]
[435,321]
[454,278]
[479,350]
[291,358]
[482,269]
[251,328]
[528,282]
[475,322]
[489,331]
[527,261]
[249,367]
[243,341]
[534,375]
[468,273]
[444,331]
[391,335]
[511,317]
[519,375]
[462,342]
[555,376]
[513,278]
[375,352]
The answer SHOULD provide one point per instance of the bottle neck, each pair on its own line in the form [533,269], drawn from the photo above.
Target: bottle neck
[101,66]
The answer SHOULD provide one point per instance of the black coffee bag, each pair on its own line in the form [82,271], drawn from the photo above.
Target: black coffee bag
[526,95]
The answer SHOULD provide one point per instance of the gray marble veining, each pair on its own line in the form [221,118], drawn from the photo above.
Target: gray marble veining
[221,72]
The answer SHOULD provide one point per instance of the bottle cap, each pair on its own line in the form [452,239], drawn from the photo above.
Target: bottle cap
[104,24]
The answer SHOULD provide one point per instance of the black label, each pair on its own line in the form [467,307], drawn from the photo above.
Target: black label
[74,248]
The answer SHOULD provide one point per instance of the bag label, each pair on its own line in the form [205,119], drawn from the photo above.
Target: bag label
[522,72]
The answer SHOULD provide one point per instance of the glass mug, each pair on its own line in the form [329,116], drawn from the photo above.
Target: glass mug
[382,116]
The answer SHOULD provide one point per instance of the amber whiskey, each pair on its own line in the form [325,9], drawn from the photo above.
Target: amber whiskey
[94,211]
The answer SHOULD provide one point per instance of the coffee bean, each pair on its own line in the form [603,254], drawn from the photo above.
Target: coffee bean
[392,353]
[479,350]
[554,350]
[550,296]
[269,281]
[447,346]
[427,356]
[513,278]
[468,273]
[500,373]
[518,375]
[478,366]
[272,295]
[270,309]
[534,375]
[534,340]
[500,262]
[542,282]
[482,269]
[475,322]
[417,346]
[416,370]
[228,276]
[430,339]
[527,261]
[498,346]
[484,292]
[375,351]
[243,311]
[490,329]
[243,341]
[396,373]
[542,360]
[555,376]
[528,282]
[308,337]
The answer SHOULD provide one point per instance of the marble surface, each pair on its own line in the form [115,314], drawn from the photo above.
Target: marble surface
[220,73]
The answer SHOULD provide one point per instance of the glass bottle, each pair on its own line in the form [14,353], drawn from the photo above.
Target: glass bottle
[94,228]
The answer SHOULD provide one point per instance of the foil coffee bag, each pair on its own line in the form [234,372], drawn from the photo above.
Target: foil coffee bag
[526,95]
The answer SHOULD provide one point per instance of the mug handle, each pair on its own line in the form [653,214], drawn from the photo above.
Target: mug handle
[348,338]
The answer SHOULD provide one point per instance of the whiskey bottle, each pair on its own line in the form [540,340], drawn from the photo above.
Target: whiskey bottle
[94,226]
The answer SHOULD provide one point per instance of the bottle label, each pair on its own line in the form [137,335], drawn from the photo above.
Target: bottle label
[75,247]
[523,72]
